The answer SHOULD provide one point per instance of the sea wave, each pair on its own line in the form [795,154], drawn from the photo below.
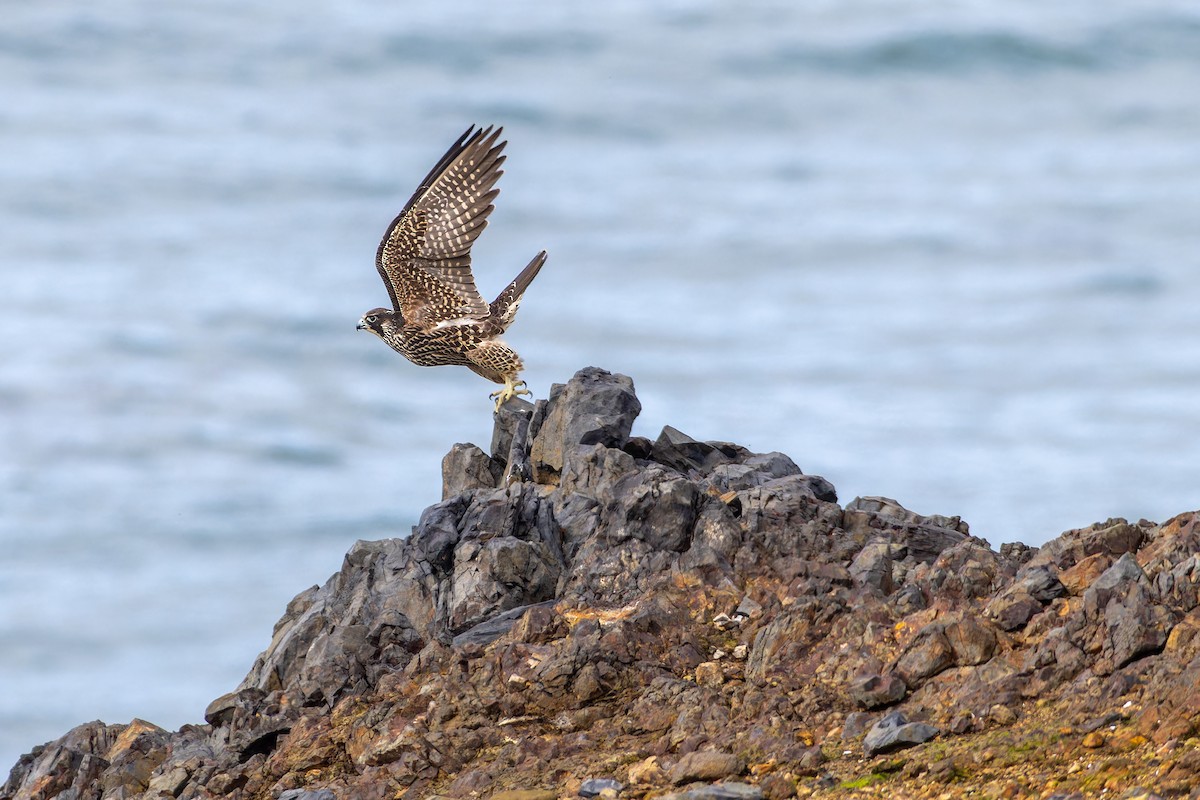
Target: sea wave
[964,53]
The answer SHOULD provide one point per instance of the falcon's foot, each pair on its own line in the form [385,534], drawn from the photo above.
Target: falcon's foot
[509,391]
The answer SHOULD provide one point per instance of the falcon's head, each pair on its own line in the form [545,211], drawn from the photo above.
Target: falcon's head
[375,319]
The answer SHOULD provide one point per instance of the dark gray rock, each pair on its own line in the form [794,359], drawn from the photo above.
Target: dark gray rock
[1113,582]
[786,519]
[367,620]
[1136,625]
[1013,608]
[965,570]
[677,450]
[492,629]
[925,537]
[465,468]
[872,567]
[654,506]
[592,470]
[518,467]
[1041,582]
[594,407]
[511,421]
[436,534]
[716,536]
[754,470]
[876,691]
[1017,552]
[497,574]
[895,732]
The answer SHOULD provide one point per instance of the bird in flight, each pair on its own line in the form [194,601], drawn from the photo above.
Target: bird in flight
[438,316]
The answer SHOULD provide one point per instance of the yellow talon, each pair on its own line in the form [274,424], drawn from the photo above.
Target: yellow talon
[509,391]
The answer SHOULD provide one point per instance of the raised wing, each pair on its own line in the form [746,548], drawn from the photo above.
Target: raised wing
[425,256]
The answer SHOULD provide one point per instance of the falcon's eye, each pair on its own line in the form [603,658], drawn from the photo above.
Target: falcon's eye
[372,318]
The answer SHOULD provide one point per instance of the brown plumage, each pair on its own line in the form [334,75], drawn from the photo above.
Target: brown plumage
[438,316]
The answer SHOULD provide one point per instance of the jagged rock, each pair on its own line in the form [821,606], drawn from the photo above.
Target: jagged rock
[609,605]
[924,537]
[755,470]
[1113,582]
[491,629]
[511,420]
[1136,624]
[494,572]
[1114,538]
[91,759]
[1013,608]
[368,619]
[1041,583]
[873,565]
[595,407]
[1017,552]
[679,451]
[895,732]
[966,570]
[466,467]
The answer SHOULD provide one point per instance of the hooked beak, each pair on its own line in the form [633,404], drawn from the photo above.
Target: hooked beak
[360,326]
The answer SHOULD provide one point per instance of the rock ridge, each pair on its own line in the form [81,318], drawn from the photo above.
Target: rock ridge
[590,613]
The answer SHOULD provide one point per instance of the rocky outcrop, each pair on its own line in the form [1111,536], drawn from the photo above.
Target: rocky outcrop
[589,613]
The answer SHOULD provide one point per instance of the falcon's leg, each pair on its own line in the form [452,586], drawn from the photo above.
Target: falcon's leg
[509,391]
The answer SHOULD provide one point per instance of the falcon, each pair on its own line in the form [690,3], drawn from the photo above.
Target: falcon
[438,316]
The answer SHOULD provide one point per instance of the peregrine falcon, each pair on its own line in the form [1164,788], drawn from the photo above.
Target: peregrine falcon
[438,316]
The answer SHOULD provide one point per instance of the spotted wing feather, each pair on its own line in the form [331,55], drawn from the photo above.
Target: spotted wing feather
[425,256]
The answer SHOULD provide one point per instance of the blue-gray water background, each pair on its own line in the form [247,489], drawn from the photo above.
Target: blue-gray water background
[946,252]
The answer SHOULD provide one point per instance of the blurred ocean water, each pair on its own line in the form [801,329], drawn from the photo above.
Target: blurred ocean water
[947,253]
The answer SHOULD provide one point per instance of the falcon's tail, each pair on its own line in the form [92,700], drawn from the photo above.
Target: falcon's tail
[504,307]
